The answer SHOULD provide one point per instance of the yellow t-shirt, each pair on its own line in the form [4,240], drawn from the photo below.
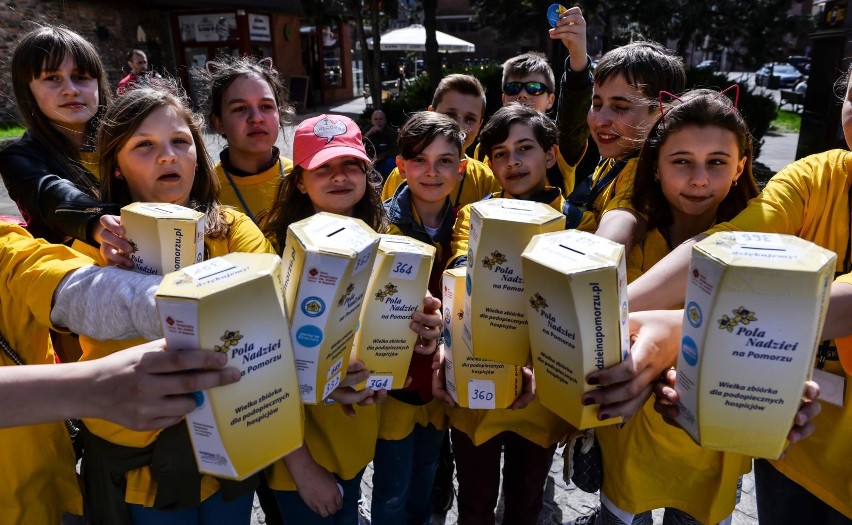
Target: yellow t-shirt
[257,190]
[340,444]
[39,482]
[844,344]
[397,418]
[478,183]
[810,199]
[649,464]
[618,192]
[141,487]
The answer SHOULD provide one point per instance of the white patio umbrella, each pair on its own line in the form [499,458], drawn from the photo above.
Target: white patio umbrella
[413,38]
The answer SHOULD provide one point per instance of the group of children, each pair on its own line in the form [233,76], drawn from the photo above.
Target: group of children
[670,169]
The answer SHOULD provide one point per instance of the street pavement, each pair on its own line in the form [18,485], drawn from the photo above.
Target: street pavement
[563,503]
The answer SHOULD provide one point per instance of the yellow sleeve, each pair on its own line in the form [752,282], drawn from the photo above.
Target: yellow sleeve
[391,184]
[844,344]
[461,235]
[620,196]
[245,236]
[287,164]
[31,270]
[780,207]
[393,229]
[567,172]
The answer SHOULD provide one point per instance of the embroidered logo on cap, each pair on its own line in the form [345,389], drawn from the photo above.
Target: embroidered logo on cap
[329,128]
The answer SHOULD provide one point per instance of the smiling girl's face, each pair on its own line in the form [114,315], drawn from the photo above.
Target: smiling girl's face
[159,159]
[67,96]
[696,169]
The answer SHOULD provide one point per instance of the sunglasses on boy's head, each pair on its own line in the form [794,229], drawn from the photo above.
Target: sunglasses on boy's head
[532,88]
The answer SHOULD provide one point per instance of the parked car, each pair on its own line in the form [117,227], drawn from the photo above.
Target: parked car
[708,65]
[784,76]
[803,64]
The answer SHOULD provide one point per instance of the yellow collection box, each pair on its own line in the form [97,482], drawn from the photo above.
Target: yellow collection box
[165,237]
[495,323]
[755,306]
[577,311]
[472,382]
[398,283]
[326,263]
[233,304]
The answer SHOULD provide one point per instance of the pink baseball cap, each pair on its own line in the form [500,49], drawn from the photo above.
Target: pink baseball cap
[326,137]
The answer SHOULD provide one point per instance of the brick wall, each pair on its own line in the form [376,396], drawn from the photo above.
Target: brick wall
[110,26]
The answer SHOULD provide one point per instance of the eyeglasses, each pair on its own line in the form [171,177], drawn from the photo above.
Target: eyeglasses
[532,88]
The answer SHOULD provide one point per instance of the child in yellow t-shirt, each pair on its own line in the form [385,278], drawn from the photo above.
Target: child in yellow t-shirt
[152,149]
[809,199]
[248,108]
[627,85]
[412,423]
[462,98]
[521,145]
[694,170]
[321,481]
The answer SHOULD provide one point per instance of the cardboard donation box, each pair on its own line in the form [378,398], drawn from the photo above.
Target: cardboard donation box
[495,324]
[165,237]
[473,382]
[326,264]
[755,306]
[233,304]
[576,287]
[398,283]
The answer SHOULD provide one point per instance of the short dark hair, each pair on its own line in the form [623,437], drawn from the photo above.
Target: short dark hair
[647,66]
[526,64]
[421,129]
[464,84]
[702,108]
[497,129]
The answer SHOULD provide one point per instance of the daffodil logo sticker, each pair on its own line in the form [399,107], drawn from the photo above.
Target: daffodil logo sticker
[496,258]
[389,290]
[693,314]
[328,128]
[537,301]
[742,315]
[229,339]
[346,294]
[460,314]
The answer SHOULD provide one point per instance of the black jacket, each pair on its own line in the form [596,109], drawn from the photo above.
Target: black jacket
[53,207]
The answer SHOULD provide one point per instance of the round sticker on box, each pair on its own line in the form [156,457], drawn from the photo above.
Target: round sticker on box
[309,336]
[689,350]
[693,314]
[199,399]
[468,284]
[448,339]
[554,13]
[313,306]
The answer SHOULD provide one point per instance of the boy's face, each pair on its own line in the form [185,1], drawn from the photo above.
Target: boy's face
[520,163]
[433,173]
[619,118]
[542,102]
[466,110]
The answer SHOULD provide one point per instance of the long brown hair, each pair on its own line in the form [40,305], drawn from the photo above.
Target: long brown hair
[44,49]
[123,119]
[702,108]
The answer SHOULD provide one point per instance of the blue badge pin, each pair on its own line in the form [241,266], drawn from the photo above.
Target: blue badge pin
[554,13]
